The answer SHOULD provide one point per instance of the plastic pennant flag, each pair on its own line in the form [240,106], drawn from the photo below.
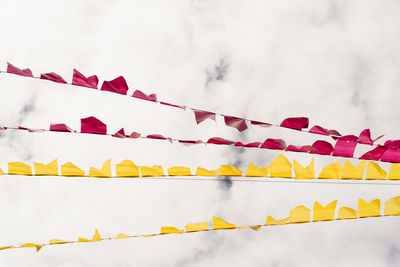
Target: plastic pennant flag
[271,221]
[300,214]
[127,168]
[295,123]
[253,144]
[322,147]
[345,146]
[21,72]
[353,172]
[304,149]
[93,125]
[1,172]
[391,155]
[229,170]
[118,86]
[151,171]
[32,245]
[394,172]
[120,134]
[280,167]
[346,213]
[332,171]
[19,168]
[105,171]
[254,171]
[326,213]
[392,207]
[261,124]
[96,237]
[221,224]
[80,80]
[375,172]
[219,141]
[58,241]
[54,77]
[196,227]
[69,169]
[139,94]
[171,105]
[204,172]
[322,131]
[60,127]
[170,230]
[371,209]
[277,144]
[159,136]
[374,154]
[6,247]
[304,172]
[237,123]
[179,171]
[49,169]
[201,115]
[122,236]
[392,144]
[365,137]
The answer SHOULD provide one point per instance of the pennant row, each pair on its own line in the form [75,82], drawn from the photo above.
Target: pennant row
[120,86]
[299,214]
[280,167]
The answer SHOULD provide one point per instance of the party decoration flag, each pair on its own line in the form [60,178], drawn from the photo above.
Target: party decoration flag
[151,171]
[261,124]
[300,214]
[6,247]
[304,149]
[69,169]
[120,133]
[122,236]
[280,167]
[322,131]
[392,144]
[347,213]
[253,144]
[33,245]
[353,172]
[237,123]
[365,137]
[1,172]
[49,169]
[118,85]
[219,141]
[375,172]
[332,171]
[79,79]
[304,173]
[295,123]
[392,207]
[391,155]
[54,77]
[196,227]
[229,170]
[221,224]
[271,221]
[374,154]
[170,230]
[60,127]
[270,143]
[394,172]
[201,115]
[326,213]
[58,241]
[19,168]
[96,237]
[105,171]
[255,171]
[153,98]
[321,147]
[93,125]
[371,209]
[179,171]
[12,69]
[345,146]
[204,172]
[127,168]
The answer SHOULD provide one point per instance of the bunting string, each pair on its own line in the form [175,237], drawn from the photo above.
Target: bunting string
[120,86]
[297,215]
[280,167]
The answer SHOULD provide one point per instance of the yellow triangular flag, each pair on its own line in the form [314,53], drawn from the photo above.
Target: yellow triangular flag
[96,236]
[58,241]
[332,171]
[151,171]
[32,245]
[221,224]
[375,172]
[195,227]
[43,169]
[353,172]
[300,214]
[122,236]
[127,168]
[371,209]
[347,213]
[1,172]
[394,172]
[170,230]
[6,247]
[392,207]
[280,167]
[304,173]
[326,213]
[105,171]
[204,172]
[179,171]
[19,168]
[229,170]
[69,169]
[254,171]
[271,221]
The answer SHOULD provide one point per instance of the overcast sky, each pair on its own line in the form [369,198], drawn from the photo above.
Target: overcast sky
[336,62]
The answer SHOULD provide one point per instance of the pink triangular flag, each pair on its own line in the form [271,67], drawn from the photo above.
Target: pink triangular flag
[220,141]
[270,143]
[237,123]
[118,85]
[12,69]
[295,123]
[60,127]
[374,154]
[79,79]
[93,125]
[322,147]
[51,76]
[202,115]
[120,133]
[139,94]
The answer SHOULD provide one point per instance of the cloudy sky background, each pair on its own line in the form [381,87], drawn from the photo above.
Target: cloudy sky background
[336,62]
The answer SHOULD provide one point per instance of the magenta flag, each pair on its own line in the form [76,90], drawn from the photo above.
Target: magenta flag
[261,124]
[172,105]
[120,133]
[374,154]
[118,85]
[190,142]
[51,76]
[254,144]
[141,95]
[345,146]
[93,125]
[60,127]
[159,136]
[392,144]
[304,149]
[134,135]
[201,115]
[322,147]
[79,79]
[365,137]
[320,130]
[391,155]
[295,123]
[278,144]
[12,69]
[237,123]
[220,141]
